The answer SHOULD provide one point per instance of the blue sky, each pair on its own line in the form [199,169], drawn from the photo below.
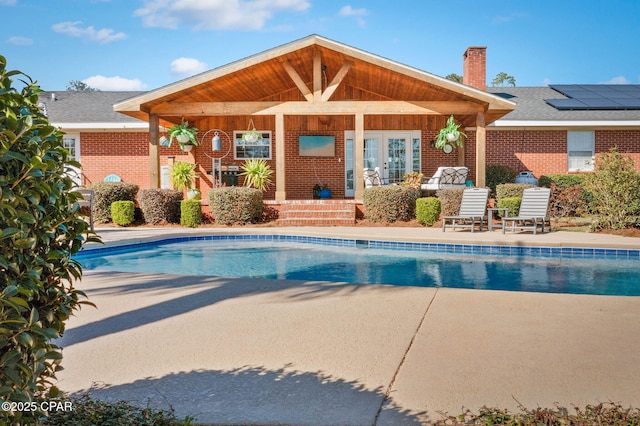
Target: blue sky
[145,44]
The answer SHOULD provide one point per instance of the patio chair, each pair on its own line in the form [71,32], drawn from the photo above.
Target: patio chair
[372,177]
[87,201]
[445,178]
[473,209]
[533,211]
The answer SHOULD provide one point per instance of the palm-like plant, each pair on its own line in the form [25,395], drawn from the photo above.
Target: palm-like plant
[257,173]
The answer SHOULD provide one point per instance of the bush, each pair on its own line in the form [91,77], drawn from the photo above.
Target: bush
[190,213]
[450,200]
[160,205]
[428,210]
[106,193]
[511,190]
[390,203]
[236,205]
[568,201]
[615,187]
[511,203]
[122,212]
[562,180]
[497,175]
[41,229]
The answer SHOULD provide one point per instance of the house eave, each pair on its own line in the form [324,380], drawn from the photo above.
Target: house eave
[617,124]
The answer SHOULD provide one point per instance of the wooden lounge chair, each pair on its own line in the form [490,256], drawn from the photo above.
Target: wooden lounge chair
[445,178]
[473,209]
[533,211]
[87,202]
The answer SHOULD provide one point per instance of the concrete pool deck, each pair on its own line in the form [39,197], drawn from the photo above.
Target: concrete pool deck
[238,351]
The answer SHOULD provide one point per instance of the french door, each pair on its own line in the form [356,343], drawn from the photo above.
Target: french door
[394,153]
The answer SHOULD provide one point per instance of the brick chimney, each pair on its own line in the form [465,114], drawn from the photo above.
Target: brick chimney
[474,68]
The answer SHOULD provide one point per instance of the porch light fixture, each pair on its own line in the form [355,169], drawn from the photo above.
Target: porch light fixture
[216,145]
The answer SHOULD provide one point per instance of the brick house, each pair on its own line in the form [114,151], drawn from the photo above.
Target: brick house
[368,110]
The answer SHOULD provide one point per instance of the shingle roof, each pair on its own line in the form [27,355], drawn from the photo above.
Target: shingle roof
[85,107]
[531,106]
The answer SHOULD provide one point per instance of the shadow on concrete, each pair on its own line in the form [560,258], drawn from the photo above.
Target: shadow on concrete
[210,290]
[256,395]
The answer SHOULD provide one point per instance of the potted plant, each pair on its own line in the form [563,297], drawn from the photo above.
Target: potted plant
[251,135]
[449,135]
[186,136]
[257,173]
[182,176]
[321,190]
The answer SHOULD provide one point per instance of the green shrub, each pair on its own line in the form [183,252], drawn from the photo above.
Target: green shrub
[511,203]
[450,200]
[235,205]
[497,175]
[390,203]
[190,213]
[615,187]
[105,193]
[122,212]
[428,210]
[510,190]
[562,180]
[41,228]
[160,206]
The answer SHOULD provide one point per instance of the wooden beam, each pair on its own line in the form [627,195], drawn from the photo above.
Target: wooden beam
[337,79]
[317,76]
[177,109]
[358,144]
[481,149]
[154,152]
[281,193]
[302,86]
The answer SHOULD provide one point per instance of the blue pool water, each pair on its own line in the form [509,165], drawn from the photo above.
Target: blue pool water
[538,269]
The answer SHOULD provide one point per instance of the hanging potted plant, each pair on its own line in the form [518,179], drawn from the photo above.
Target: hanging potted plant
[251,135]
[449,135]
[182,176]
[186,136]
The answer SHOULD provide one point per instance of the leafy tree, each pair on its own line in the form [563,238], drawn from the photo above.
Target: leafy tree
[503,79]
[41,229]
[615,187]
[454,77]
[80,86]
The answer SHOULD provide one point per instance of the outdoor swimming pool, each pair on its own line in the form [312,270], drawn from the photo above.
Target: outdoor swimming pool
[514,268]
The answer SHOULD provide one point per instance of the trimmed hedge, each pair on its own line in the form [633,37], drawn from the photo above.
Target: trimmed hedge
[190,213]
[160,205]
[428,210]
[122,212]
[450,200]
[511,190]
[511,203]
[563,180]
[105,193]
[497,175]
[390,203]
[236,205]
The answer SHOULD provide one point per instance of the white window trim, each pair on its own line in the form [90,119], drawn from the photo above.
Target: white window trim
[237,134]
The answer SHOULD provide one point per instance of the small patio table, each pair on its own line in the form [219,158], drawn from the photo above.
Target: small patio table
[490,211]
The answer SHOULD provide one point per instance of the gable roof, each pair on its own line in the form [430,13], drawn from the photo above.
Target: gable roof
[533,110]
[75,110]
[267,77]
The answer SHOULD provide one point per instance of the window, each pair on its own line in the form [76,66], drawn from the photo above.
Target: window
[244,150]
[580,150]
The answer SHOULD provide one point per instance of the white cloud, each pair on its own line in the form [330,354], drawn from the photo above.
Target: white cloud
[20,41]
[546,81]
[73,29]
[114,83]
[350,11]
[617,80]
[8,2]
[186,67]
[240,15]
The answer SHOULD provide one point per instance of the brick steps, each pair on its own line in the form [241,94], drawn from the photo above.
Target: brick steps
[316,213]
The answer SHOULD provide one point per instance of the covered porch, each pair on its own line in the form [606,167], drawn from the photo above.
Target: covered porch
[316,87]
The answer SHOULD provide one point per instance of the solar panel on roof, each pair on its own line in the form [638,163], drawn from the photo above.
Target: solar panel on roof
[596,96]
